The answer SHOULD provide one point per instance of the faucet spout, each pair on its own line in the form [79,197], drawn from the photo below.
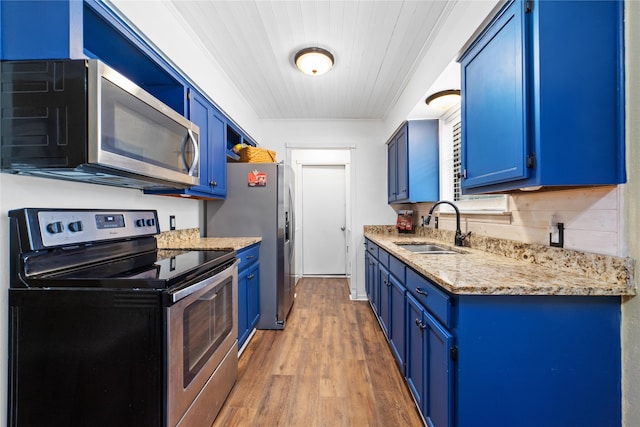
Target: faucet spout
[459,237]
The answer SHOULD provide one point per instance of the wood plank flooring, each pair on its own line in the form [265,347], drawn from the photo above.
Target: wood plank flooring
[331,366]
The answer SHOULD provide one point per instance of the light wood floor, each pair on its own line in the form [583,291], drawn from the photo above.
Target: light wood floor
[331,366]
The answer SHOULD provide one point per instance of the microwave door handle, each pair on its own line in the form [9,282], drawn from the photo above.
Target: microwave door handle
[196,153]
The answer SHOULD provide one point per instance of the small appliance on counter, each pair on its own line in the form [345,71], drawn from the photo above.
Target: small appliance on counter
[405,221]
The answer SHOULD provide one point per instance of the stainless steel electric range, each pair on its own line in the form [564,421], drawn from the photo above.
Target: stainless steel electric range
[107,330]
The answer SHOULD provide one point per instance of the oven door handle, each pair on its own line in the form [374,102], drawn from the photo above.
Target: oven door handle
[183,293]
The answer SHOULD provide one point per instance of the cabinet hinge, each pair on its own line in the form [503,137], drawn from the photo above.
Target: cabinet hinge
[528,6]
[453,353]
[463,174]
[531,161]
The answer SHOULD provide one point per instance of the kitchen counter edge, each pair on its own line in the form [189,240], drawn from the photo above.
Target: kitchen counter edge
[190,239]
[476,272]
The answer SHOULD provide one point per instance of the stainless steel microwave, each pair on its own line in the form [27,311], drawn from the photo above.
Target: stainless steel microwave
[82,120]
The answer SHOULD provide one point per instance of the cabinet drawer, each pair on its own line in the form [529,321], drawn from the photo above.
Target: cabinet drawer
[436,301]
[372,248]
[248,256]
[397,267]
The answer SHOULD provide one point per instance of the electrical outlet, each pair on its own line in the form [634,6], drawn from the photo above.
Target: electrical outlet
[172,222]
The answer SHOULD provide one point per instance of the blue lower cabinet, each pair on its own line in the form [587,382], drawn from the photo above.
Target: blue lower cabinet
[503,360]
[248,292]
[243,324]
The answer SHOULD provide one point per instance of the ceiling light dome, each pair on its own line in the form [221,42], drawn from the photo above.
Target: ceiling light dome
[314,61]
[444,100]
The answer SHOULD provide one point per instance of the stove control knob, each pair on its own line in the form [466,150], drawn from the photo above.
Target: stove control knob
[140,222]
[55,227]
[151,222]
[75,226]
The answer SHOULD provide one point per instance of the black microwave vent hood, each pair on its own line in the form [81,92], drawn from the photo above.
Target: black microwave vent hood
[93,174]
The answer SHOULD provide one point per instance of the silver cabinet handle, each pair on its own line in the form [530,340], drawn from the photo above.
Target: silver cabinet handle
[196,153]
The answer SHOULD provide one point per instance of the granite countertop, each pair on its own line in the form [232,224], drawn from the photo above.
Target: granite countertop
[478,272]
[190,239]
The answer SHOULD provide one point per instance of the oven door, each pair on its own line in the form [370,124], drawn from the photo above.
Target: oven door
[202,330]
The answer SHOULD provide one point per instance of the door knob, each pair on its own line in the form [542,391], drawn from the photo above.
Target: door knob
[342,228]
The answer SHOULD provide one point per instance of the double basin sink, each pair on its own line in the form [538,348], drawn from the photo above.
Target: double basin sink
[426,248]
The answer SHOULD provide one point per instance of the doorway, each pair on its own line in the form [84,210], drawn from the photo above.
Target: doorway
[317,163]
[324,220]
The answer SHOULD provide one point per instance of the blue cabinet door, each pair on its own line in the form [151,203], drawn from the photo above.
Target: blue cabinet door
[392,171]
[416,350]
[375,285]
[367,274]
[402,168]
[213,171]
[243,324]
[494,130]
[438,402]
[385,292]
[429,369]
[253,296]
[397,320]
[217,155]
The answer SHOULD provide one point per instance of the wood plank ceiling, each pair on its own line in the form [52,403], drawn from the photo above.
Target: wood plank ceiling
[377,46]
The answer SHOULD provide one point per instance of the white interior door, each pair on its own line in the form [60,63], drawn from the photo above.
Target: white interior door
[323,220]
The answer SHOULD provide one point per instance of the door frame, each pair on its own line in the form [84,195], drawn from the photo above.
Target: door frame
[298,157]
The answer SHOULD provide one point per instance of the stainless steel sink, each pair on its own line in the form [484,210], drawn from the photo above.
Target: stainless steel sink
[427,249]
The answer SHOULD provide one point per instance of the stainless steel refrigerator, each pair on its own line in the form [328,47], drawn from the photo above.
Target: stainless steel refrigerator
[260,203]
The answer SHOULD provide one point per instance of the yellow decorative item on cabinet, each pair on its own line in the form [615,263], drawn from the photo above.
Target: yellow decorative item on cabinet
[256,155]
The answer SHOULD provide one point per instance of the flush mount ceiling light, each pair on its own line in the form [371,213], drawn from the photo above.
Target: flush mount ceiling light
[314,61]
[444,100]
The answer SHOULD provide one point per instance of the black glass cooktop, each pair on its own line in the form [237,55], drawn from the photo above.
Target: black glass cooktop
[161,269]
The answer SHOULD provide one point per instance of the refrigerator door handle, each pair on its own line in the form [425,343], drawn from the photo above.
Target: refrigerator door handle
[286,226]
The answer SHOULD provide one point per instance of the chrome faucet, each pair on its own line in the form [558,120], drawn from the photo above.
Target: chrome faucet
[459,238]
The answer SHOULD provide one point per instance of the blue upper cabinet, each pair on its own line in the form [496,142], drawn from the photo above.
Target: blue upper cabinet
[542,100]
[87,29]
[412,163]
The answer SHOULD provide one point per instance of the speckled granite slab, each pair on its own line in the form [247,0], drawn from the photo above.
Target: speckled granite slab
[500,267]
[190,239]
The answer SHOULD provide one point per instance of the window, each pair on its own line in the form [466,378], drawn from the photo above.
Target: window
[450,170]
